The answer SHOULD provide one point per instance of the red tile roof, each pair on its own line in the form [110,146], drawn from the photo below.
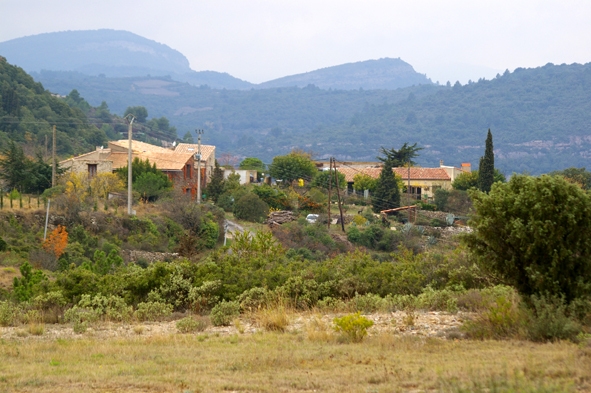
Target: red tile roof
[416,173]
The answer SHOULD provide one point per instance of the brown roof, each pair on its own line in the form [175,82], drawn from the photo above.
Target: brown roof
[140,146]
[206,150]
[167,161]
[416,173]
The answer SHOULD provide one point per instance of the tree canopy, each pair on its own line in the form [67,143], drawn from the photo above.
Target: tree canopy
[401,157]
[295,165]
[533,232]
[387,193]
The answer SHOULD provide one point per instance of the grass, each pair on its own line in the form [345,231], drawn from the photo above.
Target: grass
[271,362]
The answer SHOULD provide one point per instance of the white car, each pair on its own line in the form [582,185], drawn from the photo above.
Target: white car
[312,218]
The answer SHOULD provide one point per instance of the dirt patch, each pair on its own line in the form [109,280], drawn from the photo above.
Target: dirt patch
[425,324]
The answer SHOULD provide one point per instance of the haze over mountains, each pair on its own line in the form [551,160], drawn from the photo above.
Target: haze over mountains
[540,118]
[115,53]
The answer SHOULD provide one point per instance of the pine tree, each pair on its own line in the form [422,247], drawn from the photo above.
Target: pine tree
[387,193]
[216,184]
[486,169]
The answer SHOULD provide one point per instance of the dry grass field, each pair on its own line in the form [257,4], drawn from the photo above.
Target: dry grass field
[310,359]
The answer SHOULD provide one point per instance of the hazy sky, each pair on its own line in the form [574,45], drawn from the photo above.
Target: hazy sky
[260,40]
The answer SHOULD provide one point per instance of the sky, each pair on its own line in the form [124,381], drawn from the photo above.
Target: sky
[261,40]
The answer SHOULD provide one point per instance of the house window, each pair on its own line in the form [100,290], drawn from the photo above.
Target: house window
[92,169]
[188,171]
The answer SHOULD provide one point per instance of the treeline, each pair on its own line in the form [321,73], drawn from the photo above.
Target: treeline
[540,116]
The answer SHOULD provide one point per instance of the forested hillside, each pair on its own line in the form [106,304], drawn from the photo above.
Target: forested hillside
[540,118]
[28,113]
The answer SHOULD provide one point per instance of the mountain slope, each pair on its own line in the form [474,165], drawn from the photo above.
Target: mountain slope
[113,53]
[540,118]
[371,74]
[28,112]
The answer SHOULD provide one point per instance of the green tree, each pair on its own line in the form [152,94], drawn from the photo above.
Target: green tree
[578,176]
[139,112]
[215,188]
[533,232]
[486,169]
[363,182]
[322,178]
[292,166]
[188,137]
[13,166]
[151,185]
[467,180]
[387,193]
[75,100]
[252,163]
[251,208]
[401,157]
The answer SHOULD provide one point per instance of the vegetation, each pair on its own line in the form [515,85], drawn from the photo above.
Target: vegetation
[486,169]
[293,166]
[531,231]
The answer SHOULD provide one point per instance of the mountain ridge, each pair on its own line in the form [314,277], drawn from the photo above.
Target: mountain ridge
[119,53]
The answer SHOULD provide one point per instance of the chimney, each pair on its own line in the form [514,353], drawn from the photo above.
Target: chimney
[466,167]
[440,163]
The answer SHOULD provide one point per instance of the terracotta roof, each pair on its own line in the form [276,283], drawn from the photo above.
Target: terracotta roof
[140,146]
[416,173]
[206,150]
[167,161]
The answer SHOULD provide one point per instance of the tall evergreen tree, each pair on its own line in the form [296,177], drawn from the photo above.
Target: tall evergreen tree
[216,184]
[486,169]
[14,167]
[387,193]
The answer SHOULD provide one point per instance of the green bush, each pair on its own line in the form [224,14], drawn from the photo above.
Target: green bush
[353,327]
[222,314]
[253,299]
[10,313]
[504,318]
[153,311]
[550,319]
[191,324]
[251,208]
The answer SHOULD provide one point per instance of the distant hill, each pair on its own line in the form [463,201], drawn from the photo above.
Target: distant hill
[540,118]
[371,74]
[112,53]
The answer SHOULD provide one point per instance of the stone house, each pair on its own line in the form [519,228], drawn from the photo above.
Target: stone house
[423,181]
[178,163]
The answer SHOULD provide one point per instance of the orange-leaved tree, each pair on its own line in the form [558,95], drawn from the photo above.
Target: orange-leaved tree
[57,241]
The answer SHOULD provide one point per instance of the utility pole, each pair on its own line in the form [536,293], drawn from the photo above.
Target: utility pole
[129,172]
[338,194]
[198,158]
[408,191]
[53,159]
[329,188]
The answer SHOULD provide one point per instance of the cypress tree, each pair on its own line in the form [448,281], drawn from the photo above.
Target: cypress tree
[486,169]
[387,194]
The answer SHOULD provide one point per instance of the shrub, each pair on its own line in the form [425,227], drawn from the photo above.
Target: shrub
[51,305]
[223,313]
[10,313]
[502,319]
[191,324]
[253,299]
[353,327]
[153,311]
[251,208]
[530,243]
[206,296]
[549,320]
[273,319]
